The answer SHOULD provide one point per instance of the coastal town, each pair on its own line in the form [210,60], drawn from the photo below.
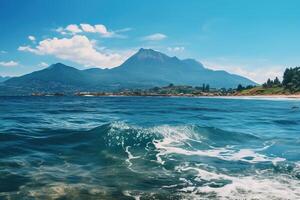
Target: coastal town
[170,90]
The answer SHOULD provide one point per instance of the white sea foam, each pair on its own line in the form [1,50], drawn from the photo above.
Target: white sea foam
[176,137]
[130,194]
[259,186]
[130,157]
[120,125]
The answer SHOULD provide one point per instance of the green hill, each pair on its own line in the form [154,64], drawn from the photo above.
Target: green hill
[259,90]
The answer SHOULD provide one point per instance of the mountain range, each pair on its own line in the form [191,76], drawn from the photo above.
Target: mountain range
[147,68]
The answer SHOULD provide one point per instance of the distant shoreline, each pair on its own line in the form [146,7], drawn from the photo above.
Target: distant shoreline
[292,96]
[260,97]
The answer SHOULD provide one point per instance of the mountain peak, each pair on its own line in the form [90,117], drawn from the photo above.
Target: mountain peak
[60,66]
[150,54]
[57,65]
[149,58]
[143,50]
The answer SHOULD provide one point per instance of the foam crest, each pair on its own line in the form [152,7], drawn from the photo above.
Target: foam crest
[176,139]
[130,157]
[241,187]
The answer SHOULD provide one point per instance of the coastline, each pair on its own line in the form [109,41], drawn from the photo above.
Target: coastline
[291,96]
[207,96]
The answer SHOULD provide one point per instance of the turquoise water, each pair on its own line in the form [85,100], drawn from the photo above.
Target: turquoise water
[149,148]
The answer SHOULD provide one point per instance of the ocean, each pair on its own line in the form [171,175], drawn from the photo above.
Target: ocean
[149,148]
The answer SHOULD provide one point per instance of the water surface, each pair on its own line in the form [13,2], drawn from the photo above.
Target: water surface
[149,148]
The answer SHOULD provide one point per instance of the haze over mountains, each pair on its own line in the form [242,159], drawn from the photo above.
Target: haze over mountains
[147,68]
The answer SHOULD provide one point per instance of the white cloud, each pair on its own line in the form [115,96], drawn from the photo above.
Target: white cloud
[176,49]
[61,30]
[78,49]
[43,64]
[100,29]
[88,28]
[258,74]
[123,30]
[31,38]
[73,28]
[9,63]
[155,37]
[3,52]
[27,48]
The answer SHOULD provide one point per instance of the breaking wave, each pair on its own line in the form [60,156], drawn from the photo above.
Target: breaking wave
[160,162]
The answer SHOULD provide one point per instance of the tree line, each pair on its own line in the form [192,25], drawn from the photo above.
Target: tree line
[272,83]
[290,81]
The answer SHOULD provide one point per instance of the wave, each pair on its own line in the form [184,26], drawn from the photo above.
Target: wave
[178,161]
[174,143]
[164,141]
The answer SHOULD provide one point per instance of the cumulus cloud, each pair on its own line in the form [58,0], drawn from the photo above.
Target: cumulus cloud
[88,28]
[175,49]
[78,49]
[155,37]
[31,38]
[99,29]
[73,28]
[9,63]
[27,48]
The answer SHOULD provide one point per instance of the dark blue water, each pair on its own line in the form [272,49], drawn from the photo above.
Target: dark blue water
[149,148]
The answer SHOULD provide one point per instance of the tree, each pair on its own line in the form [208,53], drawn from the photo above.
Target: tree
[240,88]
[291,79]
[207,88]
[249,87]
[287,77]
[270,83]
[264,85]
[155,89]
[276,81]
[296,82]
[203,87]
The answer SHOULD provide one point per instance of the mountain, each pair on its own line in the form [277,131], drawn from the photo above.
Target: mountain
[154,68]
[147,68]
[4,78]
[55,76]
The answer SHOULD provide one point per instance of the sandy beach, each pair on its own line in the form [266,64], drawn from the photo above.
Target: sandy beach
[279,96]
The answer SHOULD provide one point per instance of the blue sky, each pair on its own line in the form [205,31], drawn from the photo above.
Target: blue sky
[256,38]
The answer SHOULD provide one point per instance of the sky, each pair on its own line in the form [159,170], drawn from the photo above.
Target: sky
[257,39]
